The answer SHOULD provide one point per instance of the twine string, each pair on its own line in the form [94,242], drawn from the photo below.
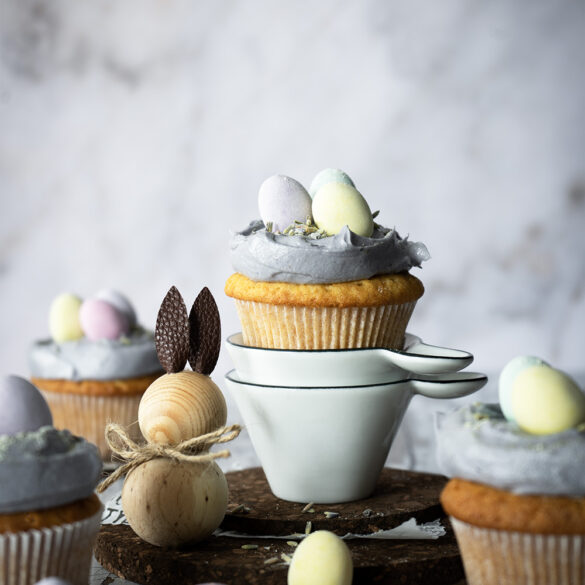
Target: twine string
[195,450]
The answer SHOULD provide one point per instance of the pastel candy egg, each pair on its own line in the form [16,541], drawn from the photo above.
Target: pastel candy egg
[545,401]
[328,176]
[507,377]
[121,302]
[322,558]
[169,503]
[282,200]
[338,204]
[24,408]
[101,320]
[178,407]
[64,322]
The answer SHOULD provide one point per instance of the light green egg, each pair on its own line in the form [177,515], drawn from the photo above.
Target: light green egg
[546,401]
[338,204]
[328,176]
[64,318]
[322,558]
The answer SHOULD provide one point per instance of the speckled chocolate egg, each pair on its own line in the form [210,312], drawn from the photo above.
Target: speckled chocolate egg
[507,377]
[178,407]
[168,503]
[338,204]
[64,324]
[24,408]
[322,558]
[101,320]
[281,201]
[328,176]
[546,400]
[120,301]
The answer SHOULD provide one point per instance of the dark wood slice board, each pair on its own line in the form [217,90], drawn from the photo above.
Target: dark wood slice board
[400,495]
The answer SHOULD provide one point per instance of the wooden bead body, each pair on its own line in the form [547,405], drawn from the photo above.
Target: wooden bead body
[169,504]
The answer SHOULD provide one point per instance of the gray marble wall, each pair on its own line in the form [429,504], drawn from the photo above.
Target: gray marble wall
[135,134]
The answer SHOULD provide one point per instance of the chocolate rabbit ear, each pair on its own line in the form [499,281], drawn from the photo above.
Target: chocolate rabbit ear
[205,333]
[171,336]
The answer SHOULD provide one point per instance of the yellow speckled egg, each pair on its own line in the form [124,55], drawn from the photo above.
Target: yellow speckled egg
[178,407]
[322,558]
[169,503]
[64,322]
[545,401]
[338,204]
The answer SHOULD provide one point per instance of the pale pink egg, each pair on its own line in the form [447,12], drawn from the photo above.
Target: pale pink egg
[101,320]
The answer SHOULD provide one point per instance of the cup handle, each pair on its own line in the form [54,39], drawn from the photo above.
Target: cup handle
[452,385]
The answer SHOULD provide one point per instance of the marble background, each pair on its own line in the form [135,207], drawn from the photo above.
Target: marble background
[135,134]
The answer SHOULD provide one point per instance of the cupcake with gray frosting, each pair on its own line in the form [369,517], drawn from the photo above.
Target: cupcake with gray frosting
[516,497]
[96,364]
[317,272]
[49,513]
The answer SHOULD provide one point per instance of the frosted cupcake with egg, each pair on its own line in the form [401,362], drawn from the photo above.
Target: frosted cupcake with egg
[516,497]
[49,513]
[319,273]
[95,366]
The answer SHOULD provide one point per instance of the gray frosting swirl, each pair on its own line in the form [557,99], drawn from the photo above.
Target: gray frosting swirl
[477,443]
[46,468]
[265,256]
[82,359]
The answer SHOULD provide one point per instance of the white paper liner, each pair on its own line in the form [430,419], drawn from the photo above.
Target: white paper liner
[86,415]
[499,557]
[300,327]
[60,551]
[113,514]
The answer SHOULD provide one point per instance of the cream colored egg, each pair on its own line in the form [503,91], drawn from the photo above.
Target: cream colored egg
[545,401]
[338,204]
[322,558]
[169,503]
[178,407]
[64,322]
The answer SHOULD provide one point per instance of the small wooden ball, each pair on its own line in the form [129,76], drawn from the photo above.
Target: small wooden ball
[178,407]
[169,503]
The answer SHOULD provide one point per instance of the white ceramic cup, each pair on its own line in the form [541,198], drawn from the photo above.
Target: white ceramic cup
[329,445]
[342,367]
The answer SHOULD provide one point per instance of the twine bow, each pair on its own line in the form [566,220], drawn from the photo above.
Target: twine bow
[194,450]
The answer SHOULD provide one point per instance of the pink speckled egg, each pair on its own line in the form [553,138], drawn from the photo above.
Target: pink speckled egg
[101,320]
[120,301]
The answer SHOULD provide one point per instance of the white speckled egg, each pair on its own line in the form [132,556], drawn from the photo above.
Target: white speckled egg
[338,204]
[507,377]
[546,401]
[178,407]
[170,503]
[322,558]
[24,408]
[328,176]
[101,320]
[64,324]
[282,200]
[121,302]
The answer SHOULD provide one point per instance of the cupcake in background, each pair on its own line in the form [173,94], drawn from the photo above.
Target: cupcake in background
[316,272]
[516,497]
[49,512]
[95,366]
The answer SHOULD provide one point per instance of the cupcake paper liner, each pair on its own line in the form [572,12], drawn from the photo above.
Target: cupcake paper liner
[499,557]
[302,327]
[87,415]
[60,551]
